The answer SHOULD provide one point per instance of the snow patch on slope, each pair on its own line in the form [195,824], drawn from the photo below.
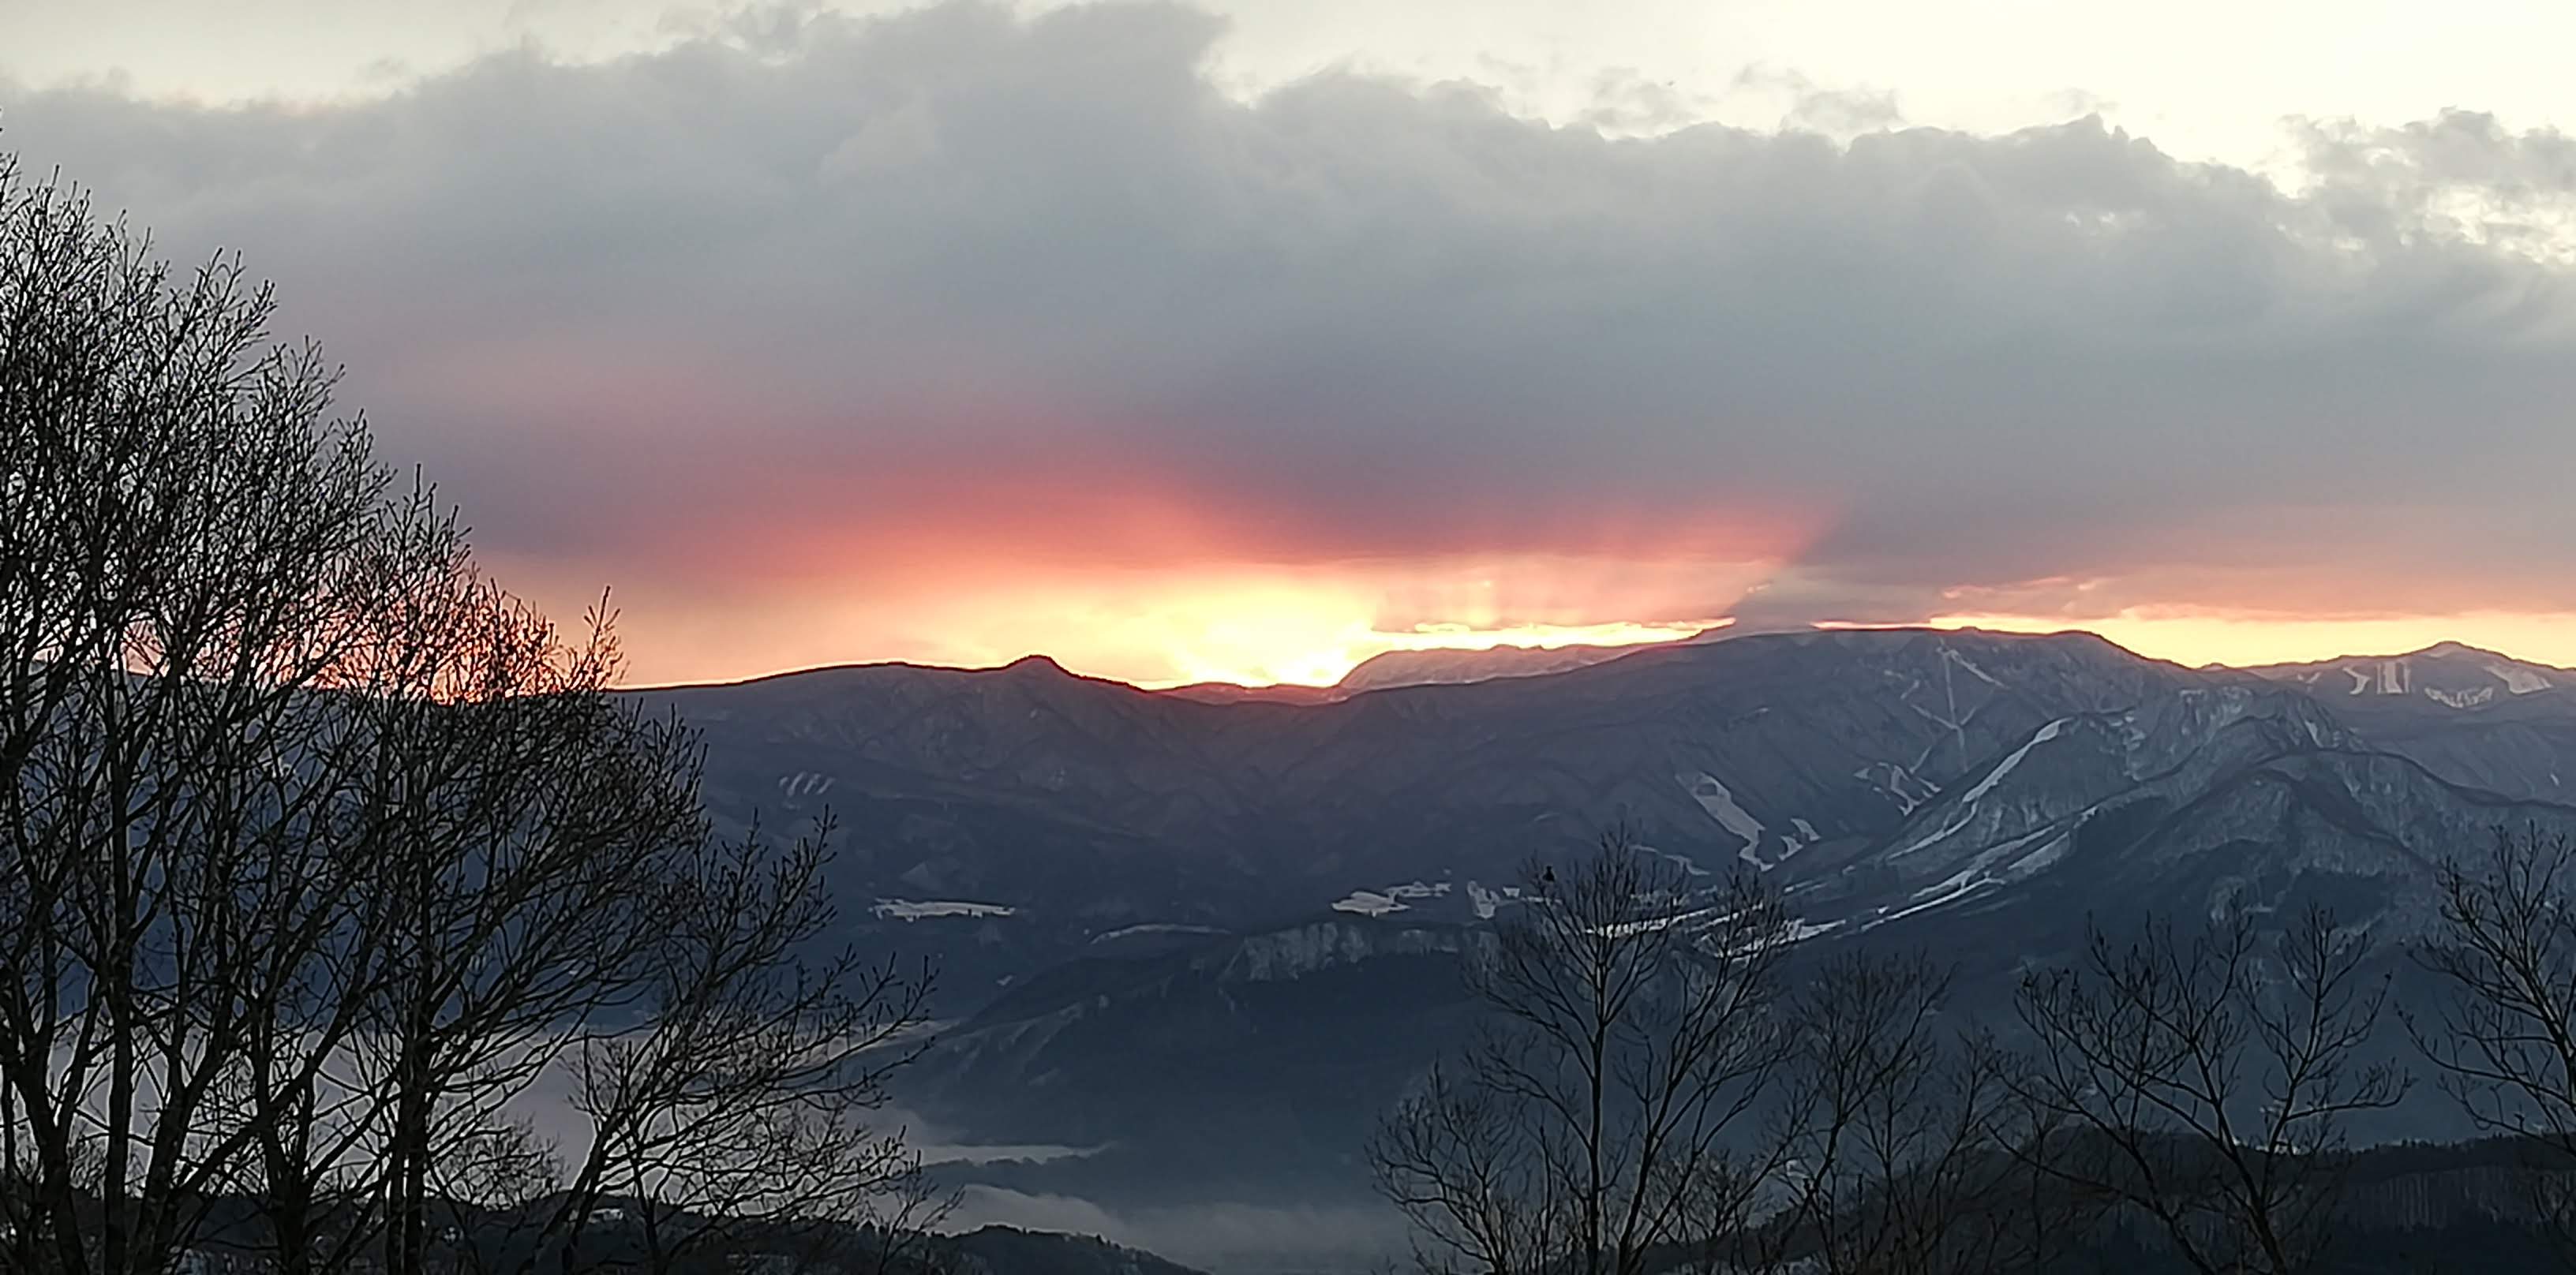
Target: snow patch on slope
[804,783]
[1155,927]
[1367,903]
[911,910]
[1943,899]
[1649,925]
[1909,789]
[1952,655]
[1958,820]
[2012,759]
[1966,811]
[1714,798]
[1393,898]
[2518,679]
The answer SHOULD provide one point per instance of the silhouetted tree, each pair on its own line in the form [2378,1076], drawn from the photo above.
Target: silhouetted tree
[320,849]
[1635,1026]
[195,563]
[2204,1083]
[2503,1038]
[1905,1149]
[740,1107]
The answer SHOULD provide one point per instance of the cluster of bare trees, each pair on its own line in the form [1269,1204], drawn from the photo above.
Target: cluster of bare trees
[1589,1130]
[2205,1082]
[2502,1038]
[323,857]
[1660,1089]
[1652,1094]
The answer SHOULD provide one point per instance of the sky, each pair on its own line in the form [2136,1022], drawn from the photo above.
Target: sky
[1244,340]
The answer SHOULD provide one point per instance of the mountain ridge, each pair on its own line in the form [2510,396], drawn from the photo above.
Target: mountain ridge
[1457,665]
[1238,924]
[1018,815]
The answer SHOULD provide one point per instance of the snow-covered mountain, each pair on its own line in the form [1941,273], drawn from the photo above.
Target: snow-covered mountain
[1175,909]
[1087,806]
[1009,819]
[2448,674]
[2477,718]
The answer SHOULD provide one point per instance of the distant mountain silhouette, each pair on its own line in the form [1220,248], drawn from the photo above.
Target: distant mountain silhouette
[1434,667]
[1012,818]
[1225,923]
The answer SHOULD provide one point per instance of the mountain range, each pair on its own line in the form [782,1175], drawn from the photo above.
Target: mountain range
[1172,928]
[1435,667]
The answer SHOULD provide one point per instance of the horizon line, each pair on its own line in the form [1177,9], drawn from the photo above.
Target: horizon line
[1702,637]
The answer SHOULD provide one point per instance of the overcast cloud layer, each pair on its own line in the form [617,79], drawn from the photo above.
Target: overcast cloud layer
[945,305]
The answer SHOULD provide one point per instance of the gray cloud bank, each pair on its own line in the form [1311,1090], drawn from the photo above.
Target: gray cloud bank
[653,314]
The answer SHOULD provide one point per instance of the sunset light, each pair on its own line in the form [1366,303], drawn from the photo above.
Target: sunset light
[1325,665]
[1251,625]
[1287,637]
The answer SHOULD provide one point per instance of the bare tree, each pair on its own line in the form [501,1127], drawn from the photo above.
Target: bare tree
[740,1105]
[321,850]
[518,832]
[2503,1039]
[191,552]
[1603,1118]
[540,827]
[1905,1150]
[2205,1083]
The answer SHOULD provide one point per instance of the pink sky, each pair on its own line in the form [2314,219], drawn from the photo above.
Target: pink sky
[964,334]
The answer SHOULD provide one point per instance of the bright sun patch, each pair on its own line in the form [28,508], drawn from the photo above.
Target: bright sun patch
[1325,664]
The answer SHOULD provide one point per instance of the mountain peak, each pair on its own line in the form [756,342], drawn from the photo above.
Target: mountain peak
[2453,674]
[1445,665]
[2452,650]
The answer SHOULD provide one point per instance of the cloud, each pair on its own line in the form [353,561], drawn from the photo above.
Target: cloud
[914,302]
[1812,108]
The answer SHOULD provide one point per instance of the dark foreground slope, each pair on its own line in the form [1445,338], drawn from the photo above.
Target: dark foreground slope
[1008,1250]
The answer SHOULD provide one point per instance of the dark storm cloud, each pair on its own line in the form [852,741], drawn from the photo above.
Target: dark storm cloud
[659,312]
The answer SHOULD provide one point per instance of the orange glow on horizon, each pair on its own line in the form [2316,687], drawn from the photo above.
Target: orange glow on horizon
[1155,631]
[1251,626]
[1156,574]
[1213,602]
[1326,667]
